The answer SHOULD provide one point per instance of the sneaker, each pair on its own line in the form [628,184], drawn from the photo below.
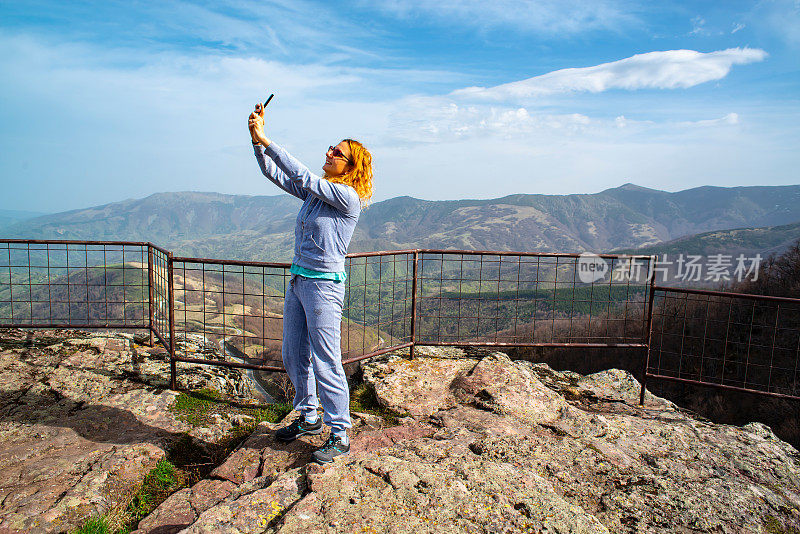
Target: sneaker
[330,449]
[298,428]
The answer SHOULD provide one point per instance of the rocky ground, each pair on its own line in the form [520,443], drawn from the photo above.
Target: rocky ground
[491,445]
[83,418]
[483,444]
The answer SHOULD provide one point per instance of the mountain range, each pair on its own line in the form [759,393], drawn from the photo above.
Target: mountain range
[748,241]
[628,217]
[8,217]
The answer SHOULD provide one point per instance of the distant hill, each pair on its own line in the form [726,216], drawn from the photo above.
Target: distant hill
[9,217]
[747,241]
[627,216]
[261,227]
[188,223]
[166,217]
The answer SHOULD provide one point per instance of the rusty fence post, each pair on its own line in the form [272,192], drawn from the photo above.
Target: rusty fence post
[150,289]
[649,328]
[170,290]
[414,305]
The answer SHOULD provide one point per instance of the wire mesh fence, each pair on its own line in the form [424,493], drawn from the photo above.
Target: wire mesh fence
[728,340]
[525,299]
[231,312]
[159,308]
[74,284]
[227,312]
[378,308]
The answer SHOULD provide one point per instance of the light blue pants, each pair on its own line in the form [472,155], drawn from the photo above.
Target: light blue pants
[312,352]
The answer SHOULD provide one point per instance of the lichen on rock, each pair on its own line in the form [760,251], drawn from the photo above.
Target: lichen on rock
[489,444]
[83,419]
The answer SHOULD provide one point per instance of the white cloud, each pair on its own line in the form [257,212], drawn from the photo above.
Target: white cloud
[424,120]
[547,17]
[698,25]
[433,120]
[671,69]
[737,26]
[516,111]
[730,119]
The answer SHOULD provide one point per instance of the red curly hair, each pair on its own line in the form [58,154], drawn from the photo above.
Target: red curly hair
[360,177]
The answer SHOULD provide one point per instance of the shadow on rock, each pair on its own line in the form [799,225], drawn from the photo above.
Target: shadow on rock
[95,422]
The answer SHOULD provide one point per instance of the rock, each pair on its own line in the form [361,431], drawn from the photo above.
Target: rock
[394,377]
[417,488]
[368,420]
[83,418]
[173,515]
[500,385]
[480,421]
[261,455]
[240,419]
[488,445]
[182,508]
[515,447]
[371,440]
[254,511]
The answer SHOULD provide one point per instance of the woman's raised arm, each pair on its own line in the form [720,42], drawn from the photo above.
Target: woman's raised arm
[285,171]
[276,175]
[340,196]
[255,122]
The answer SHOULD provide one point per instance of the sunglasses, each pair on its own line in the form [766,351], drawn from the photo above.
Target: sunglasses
[337,153]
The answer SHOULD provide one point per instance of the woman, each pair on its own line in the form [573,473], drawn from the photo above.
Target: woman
[312,311]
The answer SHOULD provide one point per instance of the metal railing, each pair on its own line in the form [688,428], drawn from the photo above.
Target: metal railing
[74,284]
[380,303]
[226,312]
[160,307]
[229,313]
[496,298]
[732,341]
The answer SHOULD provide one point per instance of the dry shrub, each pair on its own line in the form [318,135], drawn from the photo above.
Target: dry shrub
[284,386]
[778,276]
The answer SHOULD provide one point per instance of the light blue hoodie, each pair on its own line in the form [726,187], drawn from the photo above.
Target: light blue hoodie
[328,216]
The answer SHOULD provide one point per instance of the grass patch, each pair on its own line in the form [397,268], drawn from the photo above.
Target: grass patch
[272,413]
[93,525]
[364,399]
[161,482]
[773,526]
[187,461]
[134,504]
[198,407]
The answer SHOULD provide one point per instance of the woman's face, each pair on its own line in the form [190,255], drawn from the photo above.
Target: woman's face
[337,161]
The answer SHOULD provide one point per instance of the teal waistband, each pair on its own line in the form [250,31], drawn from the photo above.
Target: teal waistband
[310,273]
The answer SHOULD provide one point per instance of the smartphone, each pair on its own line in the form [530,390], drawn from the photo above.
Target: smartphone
[259,107]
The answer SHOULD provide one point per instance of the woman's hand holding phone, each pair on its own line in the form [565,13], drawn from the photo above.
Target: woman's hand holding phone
[256,124]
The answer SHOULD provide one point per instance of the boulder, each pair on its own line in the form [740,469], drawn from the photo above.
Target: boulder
[182,508]
[418,387]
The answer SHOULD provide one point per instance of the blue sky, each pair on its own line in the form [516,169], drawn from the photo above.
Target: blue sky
[103,101]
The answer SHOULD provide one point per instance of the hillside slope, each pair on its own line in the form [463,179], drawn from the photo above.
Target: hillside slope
[261,227]
[748,241]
